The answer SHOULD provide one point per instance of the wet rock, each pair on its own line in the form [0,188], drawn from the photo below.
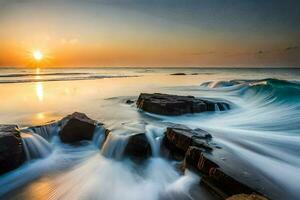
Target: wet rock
[11,148]
[223,184]
[165,104]
[138,147]
[200,155]
[246,197]
[178,140]
[178,74]
[129,101]
[215,174]
[195,159]
[77,127]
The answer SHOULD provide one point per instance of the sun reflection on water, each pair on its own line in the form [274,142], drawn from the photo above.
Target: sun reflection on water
[39,86]
[39,91]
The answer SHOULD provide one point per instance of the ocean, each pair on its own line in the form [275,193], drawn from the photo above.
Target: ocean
[261,130]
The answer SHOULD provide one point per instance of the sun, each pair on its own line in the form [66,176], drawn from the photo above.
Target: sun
[37,55]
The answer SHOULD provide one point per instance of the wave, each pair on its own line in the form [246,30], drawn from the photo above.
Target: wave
[262,131]
[267,89]
[42,74]
[92,77]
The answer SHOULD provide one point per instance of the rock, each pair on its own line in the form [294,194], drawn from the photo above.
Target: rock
[178,140]
[11,148]
[129,101]
[77,127]
[178,74]
[212,173]
[223,184]
[223,177]
[165,104]
[138,147]
[195,159]
[246,197]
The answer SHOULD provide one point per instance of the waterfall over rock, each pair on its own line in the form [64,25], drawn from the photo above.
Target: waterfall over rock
[45,131]
[114,146]
[35,146]
[100,134]
[154,135]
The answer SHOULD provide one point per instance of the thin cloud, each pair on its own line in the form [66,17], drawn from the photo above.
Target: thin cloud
[202,53]
[291,48]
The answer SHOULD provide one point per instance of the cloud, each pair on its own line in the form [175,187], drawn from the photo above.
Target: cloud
[291,48]
[71,41]
[260,52]
[202,53]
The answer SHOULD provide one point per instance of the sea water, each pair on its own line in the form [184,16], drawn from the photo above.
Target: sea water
[262,129]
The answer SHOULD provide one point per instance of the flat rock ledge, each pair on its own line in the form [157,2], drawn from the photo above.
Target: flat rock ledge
[246,197]
[178,140]
[11,149]
[166,104]
[196,149]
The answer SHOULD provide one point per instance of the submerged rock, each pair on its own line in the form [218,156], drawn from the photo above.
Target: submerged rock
[165,104]
[178,74]
[77,127]
[11,148]
[129,101]
[138,147]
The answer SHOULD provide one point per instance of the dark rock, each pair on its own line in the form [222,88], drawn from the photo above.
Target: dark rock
[212,175]
[178,140]
[138,147]
[165,104]
[195,159]
[11,149]
[224,184]
[246,197]
[77,127]
[178,74]
[129,101]
[224,177]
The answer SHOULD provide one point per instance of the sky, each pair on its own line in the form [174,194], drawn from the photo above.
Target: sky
[150,33]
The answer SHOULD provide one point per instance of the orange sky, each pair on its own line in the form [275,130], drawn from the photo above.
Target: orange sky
[97,33]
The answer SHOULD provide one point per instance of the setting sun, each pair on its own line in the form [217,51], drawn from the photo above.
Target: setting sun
[37,55]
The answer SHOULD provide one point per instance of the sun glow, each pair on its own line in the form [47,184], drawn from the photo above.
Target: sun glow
[37,55]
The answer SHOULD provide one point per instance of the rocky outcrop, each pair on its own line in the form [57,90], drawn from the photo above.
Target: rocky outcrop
[138,147]
[179,139]
[77,127]
[11,149]
[183,74]
[165,104]
[129,101]
[246,197]
[201,155]
[178,74]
